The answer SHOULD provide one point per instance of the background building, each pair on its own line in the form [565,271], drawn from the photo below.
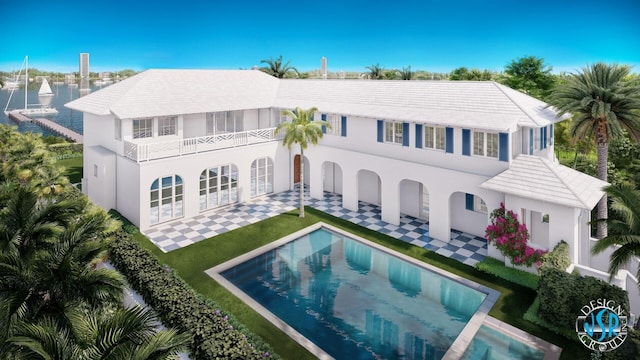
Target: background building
[84,65]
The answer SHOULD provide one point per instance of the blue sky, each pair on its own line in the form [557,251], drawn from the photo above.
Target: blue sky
[428,35]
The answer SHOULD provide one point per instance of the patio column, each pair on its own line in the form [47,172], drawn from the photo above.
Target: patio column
[315,182]
[390,203]
[439,215]
[350,189]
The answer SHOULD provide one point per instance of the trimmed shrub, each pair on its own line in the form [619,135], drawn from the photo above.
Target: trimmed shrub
[558,258]
[562,295]
[497,268]
[127,225]
[215,335]
[66,150]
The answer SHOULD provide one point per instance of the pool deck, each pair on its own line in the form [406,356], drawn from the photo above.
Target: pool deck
[466,248]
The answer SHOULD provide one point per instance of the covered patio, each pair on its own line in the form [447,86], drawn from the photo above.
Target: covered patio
[464,247]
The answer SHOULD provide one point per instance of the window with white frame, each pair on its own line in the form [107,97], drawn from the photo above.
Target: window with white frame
[485,144]
[393,132]
[335,123]
[479,205]
[435,137]
[117,129]
[167,125]
[261,176]
[142,128]
[166,199]
[223,122]
[218,186]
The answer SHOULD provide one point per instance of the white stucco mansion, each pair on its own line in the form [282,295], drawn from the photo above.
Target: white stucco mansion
[169,144]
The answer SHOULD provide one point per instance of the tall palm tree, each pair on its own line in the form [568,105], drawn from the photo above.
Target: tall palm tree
[406,73]
[276,68]
[375,72]
[623,231]
[603,104]
[301,130]
[120,334]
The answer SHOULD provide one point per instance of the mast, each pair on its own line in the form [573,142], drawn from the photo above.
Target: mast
[26,79]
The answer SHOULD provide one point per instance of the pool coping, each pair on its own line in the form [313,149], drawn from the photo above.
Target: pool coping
[455,351]
[550,351]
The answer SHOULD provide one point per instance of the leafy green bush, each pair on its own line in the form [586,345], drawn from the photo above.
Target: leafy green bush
[562,295]
[66,150]
[215,335]
[497,268]
[558,258]
[127,225]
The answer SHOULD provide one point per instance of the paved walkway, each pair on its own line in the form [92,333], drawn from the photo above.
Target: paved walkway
[466,248]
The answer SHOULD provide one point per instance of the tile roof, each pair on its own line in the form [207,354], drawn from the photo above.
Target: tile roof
[541,179]
[473,104]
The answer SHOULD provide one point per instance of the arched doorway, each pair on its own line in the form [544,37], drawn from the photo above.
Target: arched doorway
[331,177]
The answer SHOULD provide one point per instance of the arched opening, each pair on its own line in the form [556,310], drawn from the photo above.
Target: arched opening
[369,187]
[218,186]
[166,199]
[261,176]
[331,177]
[296,170]
[414,199]
[468,213]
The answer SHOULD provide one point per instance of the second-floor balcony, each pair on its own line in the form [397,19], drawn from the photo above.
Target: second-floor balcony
[195,145]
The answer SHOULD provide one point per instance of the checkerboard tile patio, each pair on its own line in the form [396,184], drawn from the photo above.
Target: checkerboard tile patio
[466,248]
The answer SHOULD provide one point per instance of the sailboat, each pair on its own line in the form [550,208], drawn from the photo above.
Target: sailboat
[45,89]
[43,109]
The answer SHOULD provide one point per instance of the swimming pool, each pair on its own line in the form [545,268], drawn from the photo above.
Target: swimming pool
[356,300]
[492,342]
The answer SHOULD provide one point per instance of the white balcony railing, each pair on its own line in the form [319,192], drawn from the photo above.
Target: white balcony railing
[171,148]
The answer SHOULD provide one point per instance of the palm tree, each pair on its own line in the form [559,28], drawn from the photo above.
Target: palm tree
[603,104]
[276,68]
[624,231]
[375,72]
[406,73]
[120,334]
[301,130]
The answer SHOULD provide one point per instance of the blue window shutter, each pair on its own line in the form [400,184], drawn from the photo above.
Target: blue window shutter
[419,136]
[545,137]
[323,117]
[541,139]
[468,201]
[503,147]
[380,131]
[343,131]
[551,134]
[405,134]
[530,141]
[466,142]
[449,140]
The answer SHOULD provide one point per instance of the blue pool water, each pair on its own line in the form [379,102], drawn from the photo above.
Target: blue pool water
[356,302]
[490,344]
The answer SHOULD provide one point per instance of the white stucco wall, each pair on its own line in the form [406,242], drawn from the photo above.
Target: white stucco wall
[100,176]
[332,177]
[410,198]
[128,189]
[469,221]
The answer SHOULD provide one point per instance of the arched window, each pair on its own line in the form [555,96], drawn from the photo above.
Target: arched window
[166,199]
[218,186]
[261,176]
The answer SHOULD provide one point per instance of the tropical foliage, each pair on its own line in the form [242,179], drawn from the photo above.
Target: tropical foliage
[375,72]
[301,130]
[510,237]
[51,241]
[530,75]
[624,230]
[603,105]
[276,67]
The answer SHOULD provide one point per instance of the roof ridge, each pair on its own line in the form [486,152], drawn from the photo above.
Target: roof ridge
[500,87]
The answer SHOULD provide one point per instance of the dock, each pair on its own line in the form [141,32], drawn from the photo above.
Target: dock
[18,117]
[59,130]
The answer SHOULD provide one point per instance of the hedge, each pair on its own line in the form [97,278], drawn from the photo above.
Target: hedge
[66,150]
[497,268]
[215,335]
[127,225]
[562,295]
[558,258]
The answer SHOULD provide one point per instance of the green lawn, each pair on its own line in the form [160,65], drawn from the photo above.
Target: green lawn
[72,168]
[191,262]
